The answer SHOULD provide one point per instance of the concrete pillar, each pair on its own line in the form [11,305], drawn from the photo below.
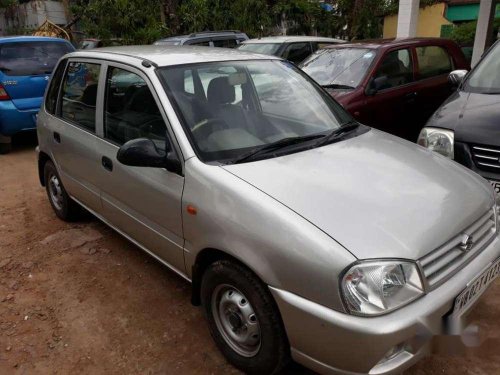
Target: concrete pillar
[408,18]
[484,28]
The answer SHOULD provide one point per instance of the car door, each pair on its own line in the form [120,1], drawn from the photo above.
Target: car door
[143,203]
[71,122]
[433,64]
[391,94]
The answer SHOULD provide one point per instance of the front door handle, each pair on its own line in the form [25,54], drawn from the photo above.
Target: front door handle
[107,163]
[57,137]
[411,96]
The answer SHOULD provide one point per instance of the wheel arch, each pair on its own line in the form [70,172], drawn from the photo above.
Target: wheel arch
[43,158]
[204,259]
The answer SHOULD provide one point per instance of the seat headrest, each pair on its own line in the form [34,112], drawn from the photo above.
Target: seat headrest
[220,91]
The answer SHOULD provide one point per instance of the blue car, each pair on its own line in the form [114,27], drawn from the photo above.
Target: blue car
[26,63]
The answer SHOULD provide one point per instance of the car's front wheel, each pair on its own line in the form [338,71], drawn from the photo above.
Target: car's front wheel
[243,319]
[64,207]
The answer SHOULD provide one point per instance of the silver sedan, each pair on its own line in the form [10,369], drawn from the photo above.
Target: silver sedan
[305,234]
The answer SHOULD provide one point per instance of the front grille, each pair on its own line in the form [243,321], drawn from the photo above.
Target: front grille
[487,157]
[443,262]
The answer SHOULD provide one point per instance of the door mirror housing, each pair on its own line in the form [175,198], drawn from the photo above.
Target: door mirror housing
[143,152]
[377,84]
[456,77]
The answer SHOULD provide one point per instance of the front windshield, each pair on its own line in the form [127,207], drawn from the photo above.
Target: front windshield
[229,108]
[485,79]
[264,48]
[339,66]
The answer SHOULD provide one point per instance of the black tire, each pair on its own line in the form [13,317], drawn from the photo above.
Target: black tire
[65,208]
[5,148]
[273,352]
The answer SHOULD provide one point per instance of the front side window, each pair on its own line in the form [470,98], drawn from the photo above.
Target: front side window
[344,67]
[297,52]
[130,110]
[243,105]
[55,84]
[396,69]
[433,61]
[204,43]
[225,43]
[31,58]
[79,94]
[485,79]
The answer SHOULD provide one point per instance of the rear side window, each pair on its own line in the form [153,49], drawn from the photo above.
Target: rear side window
[130,110]
[433,61]
[31,58]
[55,84]
[225,43]
[79,94]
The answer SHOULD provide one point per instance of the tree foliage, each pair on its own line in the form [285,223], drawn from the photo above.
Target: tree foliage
[464,34]
[132,21]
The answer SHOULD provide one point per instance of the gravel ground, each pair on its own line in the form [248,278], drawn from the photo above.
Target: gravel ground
[78,298]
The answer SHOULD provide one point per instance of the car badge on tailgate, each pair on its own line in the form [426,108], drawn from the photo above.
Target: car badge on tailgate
[11,83]
[467,243]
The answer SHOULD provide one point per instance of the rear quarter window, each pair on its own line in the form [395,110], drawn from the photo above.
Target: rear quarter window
[31,58]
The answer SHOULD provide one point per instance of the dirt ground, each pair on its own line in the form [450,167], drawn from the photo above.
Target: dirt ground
[78,298]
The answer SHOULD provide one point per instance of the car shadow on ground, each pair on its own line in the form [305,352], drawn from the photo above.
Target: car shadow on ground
[24,141]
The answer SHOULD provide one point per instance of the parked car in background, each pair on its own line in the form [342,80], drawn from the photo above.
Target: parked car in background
[467,126]
[358,239]
[394,85]
[89,43]
[26,63]
[225,39]
[291,48]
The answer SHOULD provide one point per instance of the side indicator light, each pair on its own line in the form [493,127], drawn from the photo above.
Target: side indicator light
[191,210]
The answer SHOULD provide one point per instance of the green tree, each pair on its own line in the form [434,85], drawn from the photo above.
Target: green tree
[133,21]
[194,15]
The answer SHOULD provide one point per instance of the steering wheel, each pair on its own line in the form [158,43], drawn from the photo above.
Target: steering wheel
[208,126]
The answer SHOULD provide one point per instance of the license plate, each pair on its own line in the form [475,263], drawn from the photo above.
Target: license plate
[496,186]
[478,286]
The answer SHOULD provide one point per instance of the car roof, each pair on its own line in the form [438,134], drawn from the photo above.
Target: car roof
[204,34]
[388,43]
[170,55]
[11,39]
[292,38]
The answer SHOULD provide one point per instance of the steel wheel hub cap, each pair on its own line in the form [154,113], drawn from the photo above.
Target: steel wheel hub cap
[55,191]
[236,320]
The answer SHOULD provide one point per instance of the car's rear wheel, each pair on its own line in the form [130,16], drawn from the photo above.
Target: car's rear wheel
[64,207]
[5,147]
[243,319]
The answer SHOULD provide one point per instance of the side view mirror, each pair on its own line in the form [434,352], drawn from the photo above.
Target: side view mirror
[377,84]
[142,152]
[456,77]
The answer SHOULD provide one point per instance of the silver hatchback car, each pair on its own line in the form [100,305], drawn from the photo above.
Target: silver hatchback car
[305,235]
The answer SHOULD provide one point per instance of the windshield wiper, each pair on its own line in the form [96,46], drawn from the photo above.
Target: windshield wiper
[338,86]
[338,133]
[284,142]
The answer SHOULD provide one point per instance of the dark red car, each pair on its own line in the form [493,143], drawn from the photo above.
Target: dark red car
[394,85]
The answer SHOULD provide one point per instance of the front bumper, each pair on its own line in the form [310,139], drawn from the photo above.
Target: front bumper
[331,342]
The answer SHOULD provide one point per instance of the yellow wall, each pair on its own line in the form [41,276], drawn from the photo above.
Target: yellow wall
[430,20]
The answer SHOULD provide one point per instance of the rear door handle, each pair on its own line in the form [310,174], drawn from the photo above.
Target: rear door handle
[57,137]
[107,163]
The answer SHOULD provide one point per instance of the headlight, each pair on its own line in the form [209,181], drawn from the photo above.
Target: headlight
[378,287]
[438,140]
